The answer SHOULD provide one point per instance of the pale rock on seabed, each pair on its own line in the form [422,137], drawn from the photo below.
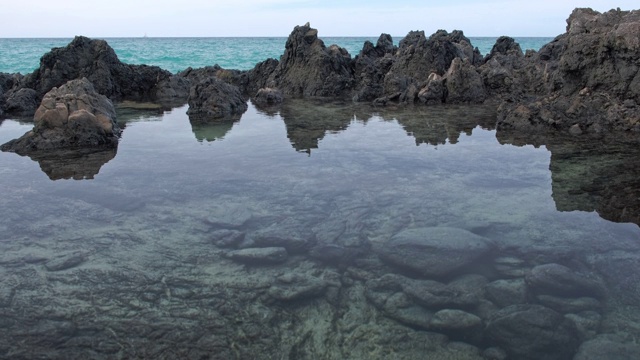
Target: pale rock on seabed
[239,247]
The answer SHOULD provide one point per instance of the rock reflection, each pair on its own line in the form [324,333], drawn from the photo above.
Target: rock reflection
[600,174]
[130,111]
[307,123]
[436,125]
[73,164]
[210,132]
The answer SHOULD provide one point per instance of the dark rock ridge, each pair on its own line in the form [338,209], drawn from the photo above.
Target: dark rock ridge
[70,117]
[98,62]
[213,98]
[587,80]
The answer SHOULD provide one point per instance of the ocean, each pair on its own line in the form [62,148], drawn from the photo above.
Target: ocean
[316,230]
[176,54]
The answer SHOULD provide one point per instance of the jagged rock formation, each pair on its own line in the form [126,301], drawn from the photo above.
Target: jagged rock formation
[308,68]
[213,99]
[96,61]
[588,78]
[71,116]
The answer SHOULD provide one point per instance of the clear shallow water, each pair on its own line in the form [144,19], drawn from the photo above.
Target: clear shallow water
[146,272]
[176,54]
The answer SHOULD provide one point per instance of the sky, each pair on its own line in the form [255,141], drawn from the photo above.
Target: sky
[158,18]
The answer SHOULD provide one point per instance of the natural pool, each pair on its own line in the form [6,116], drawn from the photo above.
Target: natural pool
[380,233]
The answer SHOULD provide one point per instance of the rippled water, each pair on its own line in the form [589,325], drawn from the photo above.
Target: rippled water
[134,261]
[176,54]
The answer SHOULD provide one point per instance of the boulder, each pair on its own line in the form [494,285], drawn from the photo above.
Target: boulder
[70,117]
[507,292]
[603,348]
[227,238]
[559,280]
[98,62]
[569,305]
[533,332]
[454,320]
[214,99]
[20,102]
[268,96]
[434,251]
[259,256]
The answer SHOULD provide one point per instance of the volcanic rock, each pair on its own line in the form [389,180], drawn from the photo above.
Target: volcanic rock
[70,117]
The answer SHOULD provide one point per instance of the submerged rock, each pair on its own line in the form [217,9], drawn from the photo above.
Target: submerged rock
[70,117]
[533,332]
[435,251]
[268,96]
[297,287]
[65,262]
[259,256]
[556,279]
[603,348]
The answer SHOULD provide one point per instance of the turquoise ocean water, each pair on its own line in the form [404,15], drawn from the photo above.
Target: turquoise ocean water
[176,54]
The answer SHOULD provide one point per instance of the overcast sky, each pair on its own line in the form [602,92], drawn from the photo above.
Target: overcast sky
[158,18]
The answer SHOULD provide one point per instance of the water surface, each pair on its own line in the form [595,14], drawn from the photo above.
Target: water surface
[124,253]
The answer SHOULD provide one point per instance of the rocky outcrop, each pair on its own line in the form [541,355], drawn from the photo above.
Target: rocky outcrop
[590,78]
[308,68]
[69,117]
[418,57]
[371,66]
[98,62]
[215,99]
